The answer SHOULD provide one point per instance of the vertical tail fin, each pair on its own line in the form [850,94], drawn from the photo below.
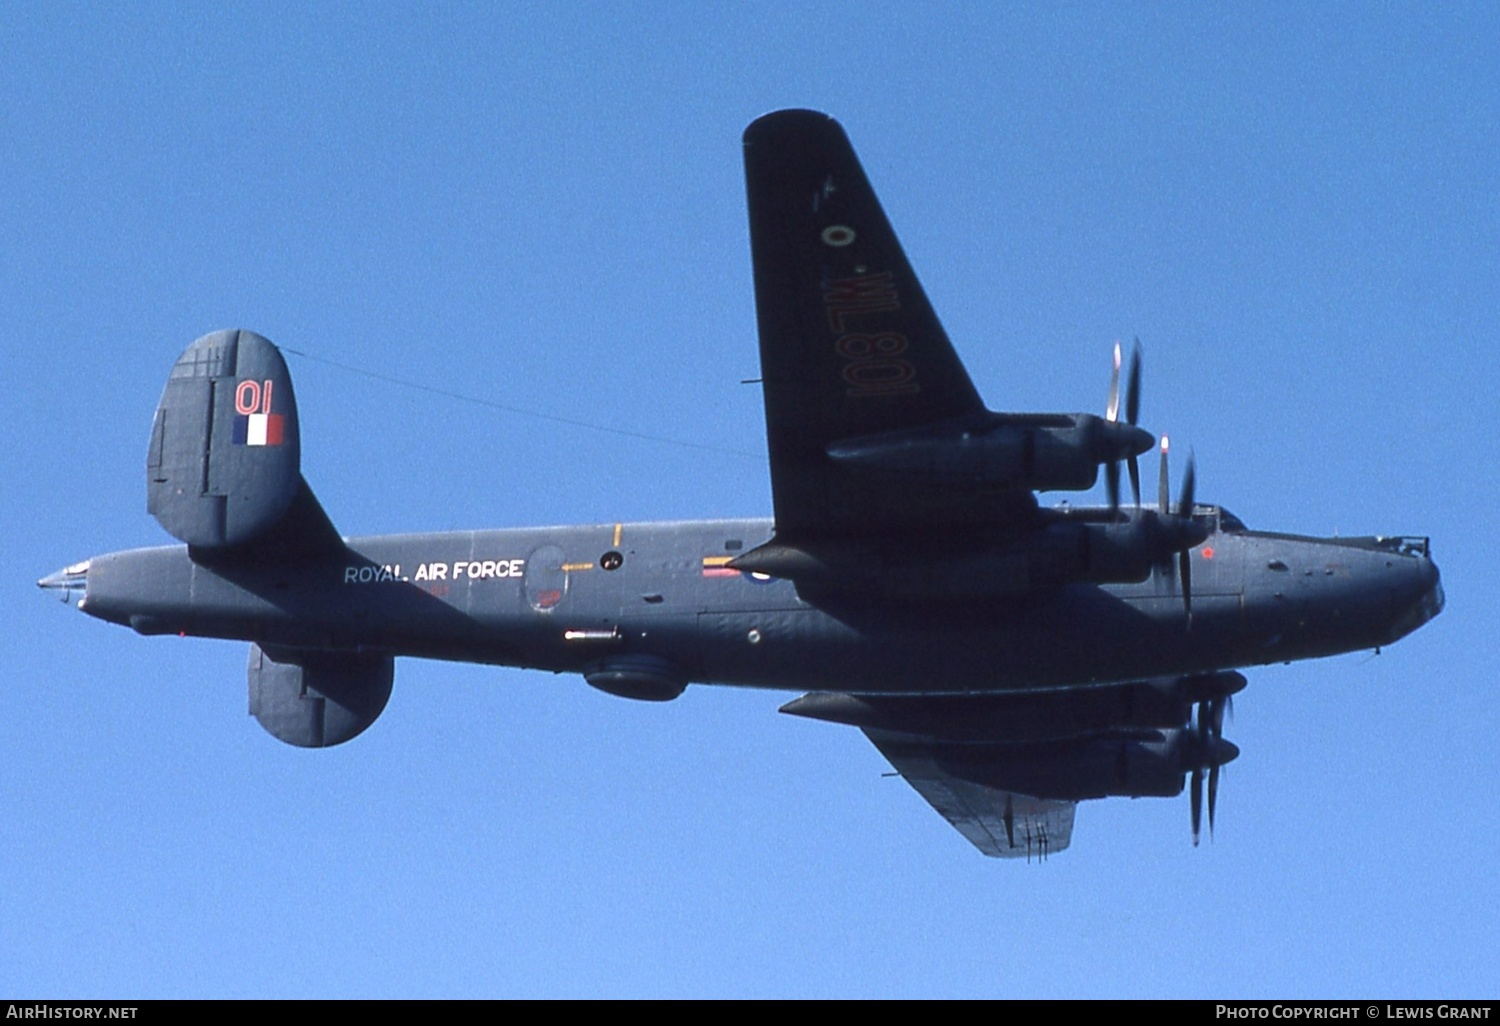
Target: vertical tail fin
[224,469]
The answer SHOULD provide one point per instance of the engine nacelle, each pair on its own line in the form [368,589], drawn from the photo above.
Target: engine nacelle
[1065,551]
[1043,452]
[1110,552]
[318,699]
[1149,764]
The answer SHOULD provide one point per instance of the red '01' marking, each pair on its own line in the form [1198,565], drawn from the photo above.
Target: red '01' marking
[252,397]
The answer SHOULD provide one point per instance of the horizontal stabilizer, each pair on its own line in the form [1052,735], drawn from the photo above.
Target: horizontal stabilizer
[318,699]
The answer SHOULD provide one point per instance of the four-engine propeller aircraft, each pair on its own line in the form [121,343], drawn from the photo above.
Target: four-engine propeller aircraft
[1009,659]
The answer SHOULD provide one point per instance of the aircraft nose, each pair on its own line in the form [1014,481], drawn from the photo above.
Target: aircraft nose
[68,582]
[1427,602]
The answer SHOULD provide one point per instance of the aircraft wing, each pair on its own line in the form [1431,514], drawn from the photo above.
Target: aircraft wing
[1007,768]
[849,344]
[1001,824]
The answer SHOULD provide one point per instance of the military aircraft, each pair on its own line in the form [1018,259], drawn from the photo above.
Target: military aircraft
[1008,658]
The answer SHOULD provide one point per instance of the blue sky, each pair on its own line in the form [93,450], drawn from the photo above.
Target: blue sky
[1293,206]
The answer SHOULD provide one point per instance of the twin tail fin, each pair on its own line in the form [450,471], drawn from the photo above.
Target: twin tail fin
[223,473]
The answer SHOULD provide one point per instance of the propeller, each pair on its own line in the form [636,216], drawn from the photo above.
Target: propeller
[1181,532]
[1209,751]
[1216,731]
[1132,411]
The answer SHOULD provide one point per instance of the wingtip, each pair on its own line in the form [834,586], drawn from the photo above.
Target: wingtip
[790,120]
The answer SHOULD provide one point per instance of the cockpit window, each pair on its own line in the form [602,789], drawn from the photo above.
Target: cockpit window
[1406,545]
[1229,522]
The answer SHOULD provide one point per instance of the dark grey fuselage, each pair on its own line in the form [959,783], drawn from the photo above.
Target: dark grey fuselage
[542,598]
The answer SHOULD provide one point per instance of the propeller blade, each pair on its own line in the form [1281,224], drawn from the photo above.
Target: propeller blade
[1185,507]
[1132,411]
[1213,796]
[1185,571]
[1197,803]
[1133,382]
[1185,503]
[1112,408]
[1163,490]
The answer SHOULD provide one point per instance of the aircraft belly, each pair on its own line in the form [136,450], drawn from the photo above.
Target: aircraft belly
[1079,636]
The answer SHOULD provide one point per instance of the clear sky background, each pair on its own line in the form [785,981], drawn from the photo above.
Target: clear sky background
[1293,206]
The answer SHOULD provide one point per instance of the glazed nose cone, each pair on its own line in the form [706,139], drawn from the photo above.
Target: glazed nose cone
[68,583]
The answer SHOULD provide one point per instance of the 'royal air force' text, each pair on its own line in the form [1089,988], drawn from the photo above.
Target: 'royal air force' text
[458,570]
